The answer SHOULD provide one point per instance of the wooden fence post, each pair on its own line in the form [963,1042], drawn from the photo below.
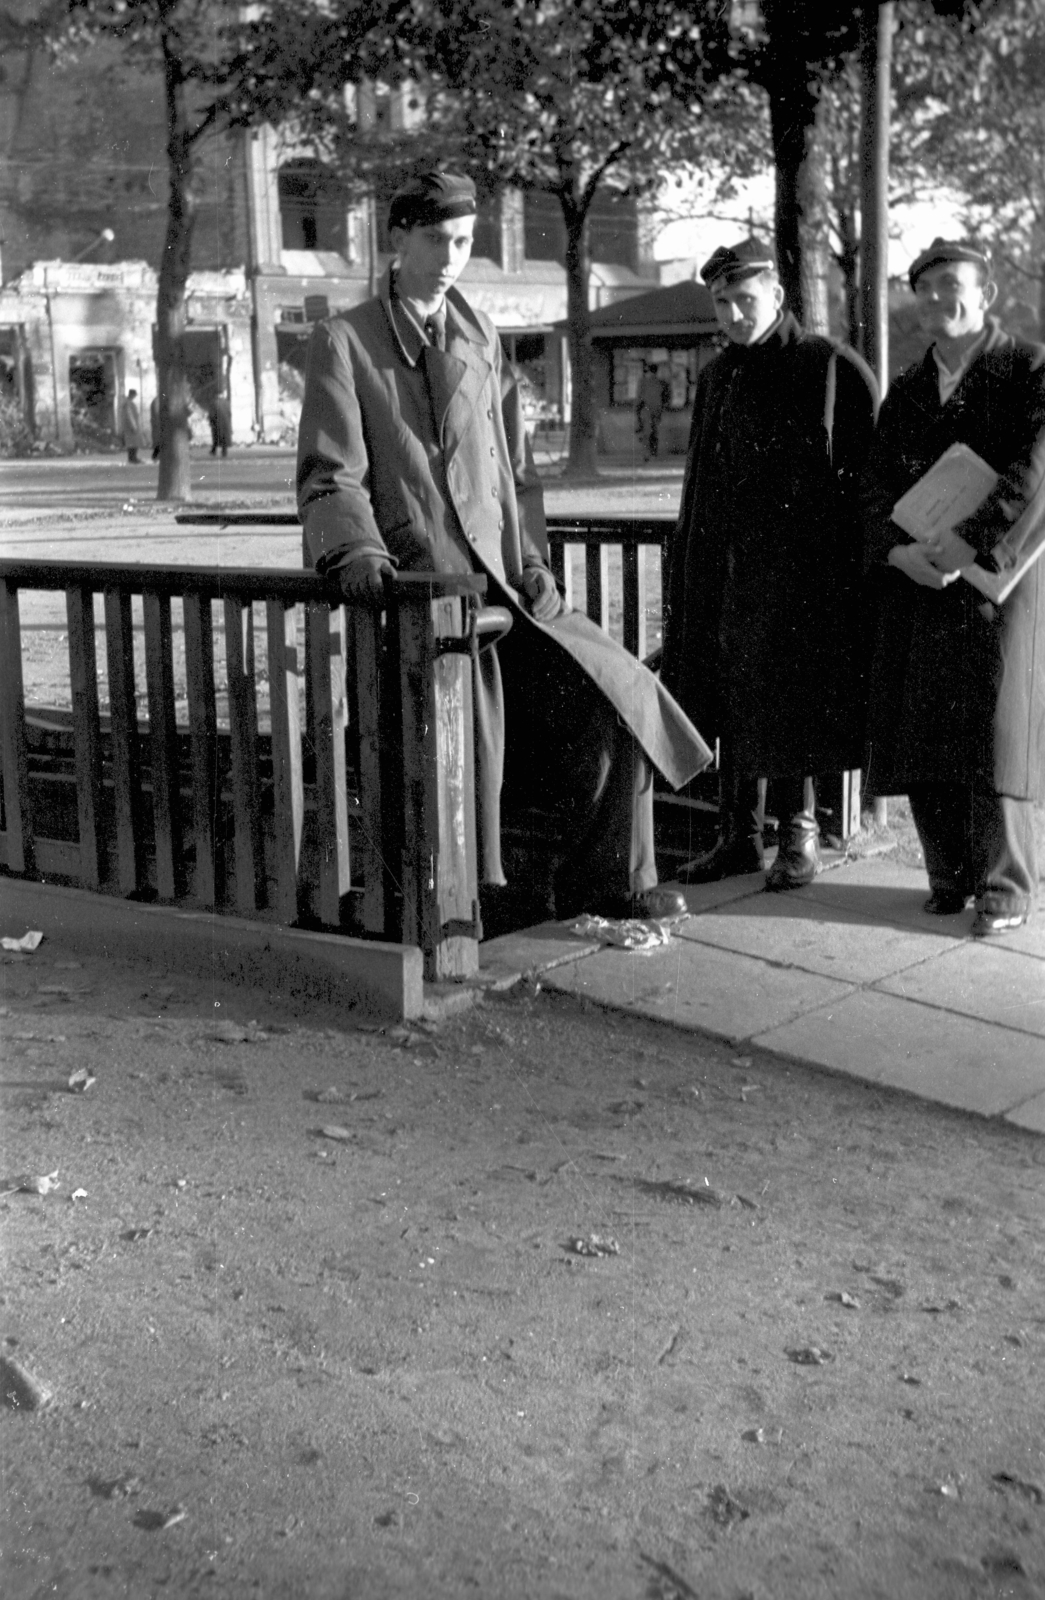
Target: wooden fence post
[163,744]
[18,814]
[288,800]
[243,730]
[439,848]
[126,752]
[87,735]
[326,672]
[203,742]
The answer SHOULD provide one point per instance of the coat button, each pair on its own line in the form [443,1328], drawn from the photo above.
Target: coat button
[494,493]
[490,415]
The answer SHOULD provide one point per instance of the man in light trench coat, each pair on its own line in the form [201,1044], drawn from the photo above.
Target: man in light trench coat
[413,454]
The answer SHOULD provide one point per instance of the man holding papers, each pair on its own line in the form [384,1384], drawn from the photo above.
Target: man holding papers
[957,691]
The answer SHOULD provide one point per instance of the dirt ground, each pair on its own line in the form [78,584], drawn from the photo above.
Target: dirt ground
[374,1363]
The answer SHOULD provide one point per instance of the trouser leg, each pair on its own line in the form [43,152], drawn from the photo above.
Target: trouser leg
[942,814]
[798,858]
[568,753]
[738,849]
[792,796]
[488,692]
[605,819]
[1004,853]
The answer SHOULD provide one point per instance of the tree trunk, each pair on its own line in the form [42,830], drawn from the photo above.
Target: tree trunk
[175,481]
[849,261]
[794,98]
[581,460]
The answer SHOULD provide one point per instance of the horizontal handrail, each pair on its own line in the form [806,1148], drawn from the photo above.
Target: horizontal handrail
[577,529]
[248,583]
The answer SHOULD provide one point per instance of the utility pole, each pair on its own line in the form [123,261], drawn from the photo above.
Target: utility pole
[876,48]
[876,45]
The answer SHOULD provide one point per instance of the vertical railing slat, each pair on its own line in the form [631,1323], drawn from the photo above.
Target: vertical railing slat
[126,756]
[326,670]
[243,727]
[633,572]
[17,810]
[372,823]
[163,744]
[87,734]
[597,577]
[439,870]
[203,741]
[288,793]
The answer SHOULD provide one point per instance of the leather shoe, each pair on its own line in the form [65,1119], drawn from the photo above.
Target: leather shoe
[650,905]
[945,902]
[730,858]
[798,859]
[995,915]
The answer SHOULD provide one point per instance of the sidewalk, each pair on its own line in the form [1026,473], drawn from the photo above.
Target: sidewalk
[849,974]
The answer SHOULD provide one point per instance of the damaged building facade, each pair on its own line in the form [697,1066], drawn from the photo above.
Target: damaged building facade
[278,244]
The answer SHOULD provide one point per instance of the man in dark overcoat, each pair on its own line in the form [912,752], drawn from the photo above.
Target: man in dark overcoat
[762,643]
[957,690]
[413,454]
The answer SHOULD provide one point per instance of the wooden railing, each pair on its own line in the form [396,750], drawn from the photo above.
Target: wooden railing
[215,816]
[623,564]
[601,538]
[328,780]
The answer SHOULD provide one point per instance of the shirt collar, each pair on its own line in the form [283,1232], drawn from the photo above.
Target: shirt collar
[950,377]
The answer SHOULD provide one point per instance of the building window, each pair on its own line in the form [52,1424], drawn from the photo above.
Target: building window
[312,207]
[679,367]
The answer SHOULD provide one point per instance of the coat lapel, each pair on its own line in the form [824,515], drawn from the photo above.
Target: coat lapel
[457,376]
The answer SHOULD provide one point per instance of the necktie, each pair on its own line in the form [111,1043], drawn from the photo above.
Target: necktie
[435,327]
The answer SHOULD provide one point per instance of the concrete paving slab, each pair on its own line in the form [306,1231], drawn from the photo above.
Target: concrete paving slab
[979,979]
[955,1060]
[1028,940]
[706,896]
[1030,1115]
[696,986]
[886,892]
[792,930]
[549,944]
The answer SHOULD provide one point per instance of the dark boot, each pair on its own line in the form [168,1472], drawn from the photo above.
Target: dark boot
[738,849]
[798,859]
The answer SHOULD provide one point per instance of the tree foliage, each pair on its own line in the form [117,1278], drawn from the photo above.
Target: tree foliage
[977,125]
[570,97]
[221,69]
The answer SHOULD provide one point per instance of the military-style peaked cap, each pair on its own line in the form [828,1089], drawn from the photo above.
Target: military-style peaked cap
[432,195]
[943,250]
[741,260]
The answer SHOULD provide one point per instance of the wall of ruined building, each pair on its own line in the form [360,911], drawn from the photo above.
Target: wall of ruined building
[64,309]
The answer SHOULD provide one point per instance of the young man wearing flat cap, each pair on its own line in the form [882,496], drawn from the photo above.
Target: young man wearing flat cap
[957,692]
[762,643]
[413,455]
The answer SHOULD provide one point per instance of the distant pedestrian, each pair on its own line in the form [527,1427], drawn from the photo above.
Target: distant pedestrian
[131,421]
[219,414]
[653,400]
[154,425]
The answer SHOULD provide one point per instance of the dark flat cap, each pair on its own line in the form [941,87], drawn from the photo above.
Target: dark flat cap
[741,260]
[432,195]
[943,250]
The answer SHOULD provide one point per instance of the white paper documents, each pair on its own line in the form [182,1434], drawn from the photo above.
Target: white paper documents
[953,488]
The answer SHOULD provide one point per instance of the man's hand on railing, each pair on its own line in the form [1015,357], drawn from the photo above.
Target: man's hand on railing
[363,579]
[541,591]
